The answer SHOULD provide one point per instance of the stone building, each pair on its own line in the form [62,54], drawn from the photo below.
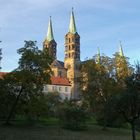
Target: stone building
[70,67]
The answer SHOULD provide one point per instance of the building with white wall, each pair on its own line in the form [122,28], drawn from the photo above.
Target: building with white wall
[60,85]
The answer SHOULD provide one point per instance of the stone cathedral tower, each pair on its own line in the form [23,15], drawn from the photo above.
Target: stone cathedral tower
[72,56]
[50,42]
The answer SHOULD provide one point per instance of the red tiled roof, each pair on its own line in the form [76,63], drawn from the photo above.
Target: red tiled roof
[2,74]
[54,80]
[60,81]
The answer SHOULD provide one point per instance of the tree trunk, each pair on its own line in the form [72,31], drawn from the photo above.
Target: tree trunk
[13,107]
[105,124]
[133,130]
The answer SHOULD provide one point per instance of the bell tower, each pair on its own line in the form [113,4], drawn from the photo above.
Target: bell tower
[50,42]
[72,56]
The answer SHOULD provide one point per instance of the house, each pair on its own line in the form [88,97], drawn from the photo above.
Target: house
[60,85]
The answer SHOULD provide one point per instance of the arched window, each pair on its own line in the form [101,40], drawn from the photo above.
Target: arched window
[66,48]
[66,55]
[73,47]
[66,40]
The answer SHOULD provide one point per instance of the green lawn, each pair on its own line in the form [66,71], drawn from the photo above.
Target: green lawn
[51,132]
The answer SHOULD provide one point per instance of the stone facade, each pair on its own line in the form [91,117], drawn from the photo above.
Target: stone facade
[72,60]
[70,67]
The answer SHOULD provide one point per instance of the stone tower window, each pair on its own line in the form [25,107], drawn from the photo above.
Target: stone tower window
[77,40]
[66,40]
[66,55]
[66,48]
[72,46]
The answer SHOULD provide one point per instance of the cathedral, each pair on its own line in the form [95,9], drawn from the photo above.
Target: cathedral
[65,75]
[69,69]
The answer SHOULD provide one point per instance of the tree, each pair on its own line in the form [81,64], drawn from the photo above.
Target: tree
[122,68]
[30,76]
[45,105]
[97,85]
[6,95]
[128,101]
[73,115]
[53,100]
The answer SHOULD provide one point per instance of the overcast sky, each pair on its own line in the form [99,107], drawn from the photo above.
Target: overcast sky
[100,23]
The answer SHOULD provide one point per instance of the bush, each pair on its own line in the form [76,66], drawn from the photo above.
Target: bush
[74,115]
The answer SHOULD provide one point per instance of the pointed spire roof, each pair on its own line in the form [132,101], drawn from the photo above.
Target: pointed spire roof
[121,50]
[98,51]
[98,59]
[50,31]
[72,26]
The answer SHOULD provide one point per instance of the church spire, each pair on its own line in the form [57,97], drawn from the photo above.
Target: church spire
[121,50]
[98,58]
[72,26]
[50,31]
[49,42]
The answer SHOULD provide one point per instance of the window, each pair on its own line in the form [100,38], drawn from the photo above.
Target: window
[66,55]
[66,40]
[72,46]
[77,40]
[60,88]
[66,89]
[45,88]
[69,40]
[66,48]
[53,88]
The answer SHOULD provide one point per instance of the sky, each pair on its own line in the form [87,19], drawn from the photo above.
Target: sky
[100,23]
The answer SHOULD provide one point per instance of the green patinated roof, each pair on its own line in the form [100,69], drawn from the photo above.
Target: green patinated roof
[98,59]
[50,31]
[72,26]
[121,50]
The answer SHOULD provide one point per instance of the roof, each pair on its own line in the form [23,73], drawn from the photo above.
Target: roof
[50,31]
[60,81]
[60,62]
[121,50]
[3,74]
[54,80]
[72,26]
[57,63]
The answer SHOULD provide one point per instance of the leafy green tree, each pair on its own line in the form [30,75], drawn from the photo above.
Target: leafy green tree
[30,76]
[6,95]
[73,115]
[122,68]
[40,107]
[97,85]
[53,101]
[128,101]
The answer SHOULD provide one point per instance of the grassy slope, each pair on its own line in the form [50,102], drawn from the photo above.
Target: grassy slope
[42,132]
